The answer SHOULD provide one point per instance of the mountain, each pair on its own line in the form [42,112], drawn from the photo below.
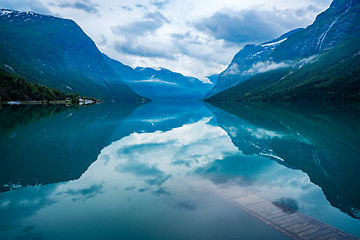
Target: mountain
[13,88]
[171,85]
[243,65]
[55,52]
[319,63]
[160,83]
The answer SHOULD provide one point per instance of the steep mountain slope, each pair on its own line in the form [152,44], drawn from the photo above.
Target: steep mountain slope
[160,83]
[245,63]
[339,23]
[332,76]
[321,62]
[13,88]
[55,52]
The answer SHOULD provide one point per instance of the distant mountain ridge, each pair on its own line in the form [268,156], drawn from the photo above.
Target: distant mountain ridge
[170,85]
[55,52]
[319,63]
[160,83]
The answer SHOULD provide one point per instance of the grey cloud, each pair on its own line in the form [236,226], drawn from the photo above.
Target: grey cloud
[160,4]
[139,169]
[141,6]
[161,192]
[187,205]
[180,35]
[130,188]
[137,28]
[134,33]
[127,8]
[136,49]
[150,23]
[245,26]
[158,16]
[252,25]
[158,181]
[303,11]
[85,193]
[189,37]
[84,5]
[103,41]
[181,162]
[189,44]
[30,5]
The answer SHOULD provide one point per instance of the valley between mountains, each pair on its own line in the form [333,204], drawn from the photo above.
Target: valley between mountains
[318,63]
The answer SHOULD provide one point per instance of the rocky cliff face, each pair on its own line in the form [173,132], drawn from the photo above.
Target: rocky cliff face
[337,24]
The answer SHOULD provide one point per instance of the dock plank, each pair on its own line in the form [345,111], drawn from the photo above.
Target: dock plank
[289,221]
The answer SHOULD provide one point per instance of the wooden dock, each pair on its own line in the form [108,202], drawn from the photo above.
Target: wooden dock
[292,223]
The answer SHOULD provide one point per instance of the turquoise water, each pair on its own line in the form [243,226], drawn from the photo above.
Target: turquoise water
[131,171]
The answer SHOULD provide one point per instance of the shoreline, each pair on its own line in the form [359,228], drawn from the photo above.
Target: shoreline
[44,102]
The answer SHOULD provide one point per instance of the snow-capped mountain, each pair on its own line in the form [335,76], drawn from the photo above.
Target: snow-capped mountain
[55,52]
[160,83]
[321,62]
[241,67]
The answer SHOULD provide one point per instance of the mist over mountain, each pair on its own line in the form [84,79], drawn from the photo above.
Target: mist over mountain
[56,53]
[321,62]
[160,83]
[243,65]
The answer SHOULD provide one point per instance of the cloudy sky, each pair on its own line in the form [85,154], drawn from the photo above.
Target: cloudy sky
[195,37]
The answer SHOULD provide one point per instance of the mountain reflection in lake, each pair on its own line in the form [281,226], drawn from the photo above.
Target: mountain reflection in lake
[145,172]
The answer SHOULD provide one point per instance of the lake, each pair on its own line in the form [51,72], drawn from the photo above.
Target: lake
[147,171]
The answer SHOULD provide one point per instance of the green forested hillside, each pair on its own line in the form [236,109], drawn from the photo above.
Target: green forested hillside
[55,52]
[332,76]
[14,88]
[319,63]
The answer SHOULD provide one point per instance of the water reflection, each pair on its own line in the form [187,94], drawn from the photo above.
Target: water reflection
[141,186]
[323,142]
[143,172]
[13,117]
[53,143]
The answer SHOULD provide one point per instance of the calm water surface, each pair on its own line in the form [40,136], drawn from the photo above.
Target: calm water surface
[128,171]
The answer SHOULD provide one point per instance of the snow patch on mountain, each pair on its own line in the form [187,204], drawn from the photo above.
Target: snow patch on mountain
[273,43]
[5,12]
